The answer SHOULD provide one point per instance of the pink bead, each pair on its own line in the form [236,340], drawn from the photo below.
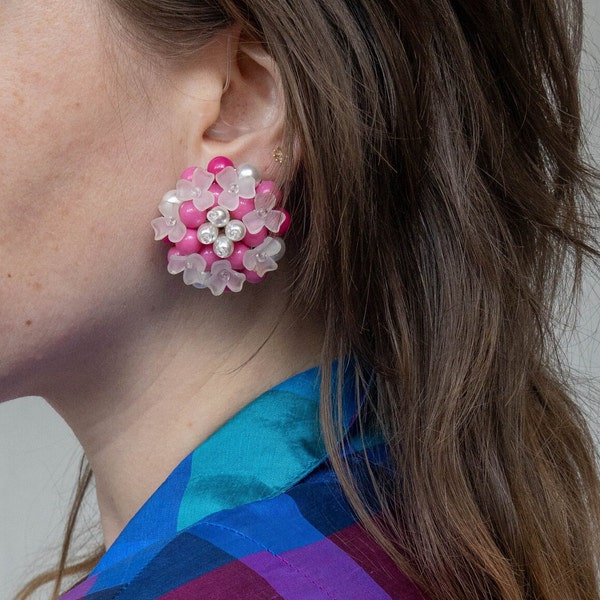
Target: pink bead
[173,252]
[265,187]
[188,173]
[167,241]
[209,256]
[190,215]
[218,163]
[236,259]
[286,222]
[189,244]
[256,239]
[268,187]
[216,190]
[253,276]
[245,206]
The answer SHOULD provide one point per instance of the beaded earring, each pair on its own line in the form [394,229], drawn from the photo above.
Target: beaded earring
[223,226]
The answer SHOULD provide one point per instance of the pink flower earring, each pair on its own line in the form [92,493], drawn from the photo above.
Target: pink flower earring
[223,226]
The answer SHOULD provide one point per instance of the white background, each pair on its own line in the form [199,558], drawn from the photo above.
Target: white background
[39,456]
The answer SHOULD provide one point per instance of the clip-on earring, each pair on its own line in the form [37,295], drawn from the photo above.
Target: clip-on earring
[223,226]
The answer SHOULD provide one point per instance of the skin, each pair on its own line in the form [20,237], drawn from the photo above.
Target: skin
[142,367]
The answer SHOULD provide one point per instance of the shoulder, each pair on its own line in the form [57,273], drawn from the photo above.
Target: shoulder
[304,544]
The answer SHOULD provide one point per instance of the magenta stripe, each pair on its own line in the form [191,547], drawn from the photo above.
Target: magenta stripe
[81,590]
[315,572]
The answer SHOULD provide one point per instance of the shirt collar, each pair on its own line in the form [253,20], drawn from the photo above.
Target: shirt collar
[273,443]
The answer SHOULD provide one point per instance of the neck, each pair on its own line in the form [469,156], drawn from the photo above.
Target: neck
[142,402]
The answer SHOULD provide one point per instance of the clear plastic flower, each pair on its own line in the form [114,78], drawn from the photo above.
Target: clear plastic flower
[193,267]
[263,258]
[263,215]
[223,276]
[234,187]
[169,225]
[197,190]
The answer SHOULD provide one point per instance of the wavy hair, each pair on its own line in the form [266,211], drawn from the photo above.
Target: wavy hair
[450,221]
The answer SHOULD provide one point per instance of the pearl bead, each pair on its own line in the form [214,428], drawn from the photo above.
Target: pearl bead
[235,230]
[247,170]
[218,216]
[277,257]
[208,233]
[171,197]
[223,247]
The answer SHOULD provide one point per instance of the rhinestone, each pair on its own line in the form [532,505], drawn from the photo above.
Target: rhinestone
[234,189]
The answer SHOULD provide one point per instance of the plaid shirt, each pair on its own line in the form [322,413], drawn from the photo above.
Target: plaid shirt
[256,512]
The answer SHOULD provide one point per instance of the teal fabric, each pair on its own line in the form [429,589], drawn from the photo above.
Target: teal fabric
[237,464]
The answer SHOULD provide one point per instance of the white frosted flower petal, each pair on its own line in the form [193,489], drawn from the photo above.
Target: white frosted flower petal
[178,231]
[265,201]
[202,179]
[264,215]
[185,190]
[227,178]
[247,187]
[193,267]
[274,220]
[161,228]
[261,259]
[176,264]
[194,277]
[204,201]
[234,187]
[196,189]
[222,276]
[253,221]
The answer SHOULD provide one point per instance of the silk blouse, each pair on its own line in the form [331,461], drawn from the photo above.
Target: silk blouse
[255,512]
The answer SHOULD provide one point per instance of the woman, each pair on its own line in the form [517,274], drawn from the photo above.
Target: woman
[425,157]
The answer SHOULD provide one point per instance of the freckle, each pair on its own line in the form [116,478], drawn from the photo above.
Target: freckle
[9,275]
[28,322]
[37,285]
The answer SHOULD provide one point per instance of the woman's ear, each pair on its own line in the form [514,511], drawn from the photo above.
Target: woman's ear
[240,111]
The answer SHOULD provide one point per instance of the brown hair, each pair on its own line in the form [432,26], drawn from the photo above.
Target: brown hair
[440,205]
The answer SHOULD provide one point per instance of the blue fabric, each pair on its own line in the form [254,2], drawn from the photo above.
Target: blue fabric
[256,511]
